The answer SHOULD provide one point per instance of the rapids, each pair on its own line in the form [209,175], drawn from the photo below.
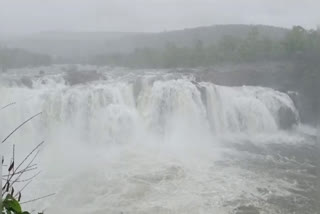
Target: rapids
[150,141]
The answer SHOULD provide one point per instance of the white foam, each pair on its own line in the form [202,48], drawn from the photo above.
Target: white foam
[140,143]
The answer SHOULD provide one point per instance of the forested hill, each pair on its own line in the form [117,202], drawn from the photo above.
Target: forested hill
[19,58]
[208,35]
[72,45]
[197,49]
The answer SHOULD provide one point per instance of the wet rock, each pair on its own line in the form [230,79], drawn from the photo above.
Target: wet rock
[263,191]
[203,92]
[26,81]
[81,77]
[287,118]
[137,87]
[247,210]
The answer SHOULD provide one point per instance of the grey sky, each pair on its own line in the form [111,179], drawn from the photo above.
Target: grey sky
[28,16]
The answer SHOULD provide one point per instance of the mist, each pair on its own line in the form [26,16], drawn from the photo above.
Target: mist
[160,106]
[151,16]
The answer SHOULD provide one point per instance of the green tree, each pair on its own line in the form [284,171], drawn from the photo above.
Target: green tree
[296,41]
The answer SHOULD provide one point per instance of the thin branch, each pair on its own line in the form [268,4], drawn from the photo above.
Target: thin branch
[29,179]
[25,169]
[20,126]
[13,151]
[21,171]
[28,166]
[26,158]
[27,184]
[6,106]
[46,196]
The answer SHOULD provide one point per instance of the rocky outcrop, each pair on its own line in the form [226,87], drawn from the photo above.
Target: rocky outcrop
[81,77]
[287,118]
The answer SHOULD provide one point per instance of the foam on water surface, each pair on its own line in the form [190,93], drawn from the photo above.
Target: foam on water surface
[152,142]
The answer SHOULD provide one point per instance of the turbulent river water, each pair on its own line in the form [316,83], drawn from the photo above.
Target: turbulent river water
[129,141]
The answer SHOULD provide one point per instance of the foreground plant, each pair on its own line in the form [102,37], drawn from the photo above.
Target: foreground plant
[11,206]
[10,199]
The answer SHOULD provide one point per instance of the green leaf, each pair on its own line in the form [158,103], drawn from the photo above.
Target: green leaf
[11,204]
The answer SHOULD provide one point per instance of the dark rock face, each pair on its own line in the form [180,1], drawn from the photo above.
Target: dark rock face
[26,81]
[137,86]
[81,77]
[247,210]
[281,76]
[287,118]
[202,91]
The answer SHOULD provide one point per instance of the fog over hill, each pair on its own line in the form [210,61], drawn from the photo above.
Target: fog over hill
[160,106]
[84,44]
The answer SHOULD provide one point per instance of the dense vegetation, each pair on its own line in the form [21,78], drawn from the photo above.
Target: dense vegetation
[18,58]
[254,47]
[303,48]
[69,47]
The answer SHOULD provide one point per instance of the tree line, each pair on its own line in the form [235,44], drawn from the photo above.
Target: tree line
[18,58]
[298,42]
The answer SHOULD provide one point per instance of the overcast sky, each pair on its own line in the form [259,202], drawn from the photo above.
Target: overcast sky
[28,16]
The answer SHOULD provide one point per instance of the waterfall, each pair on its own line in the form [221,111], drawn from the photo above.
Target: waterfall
[115,110]
[137,141]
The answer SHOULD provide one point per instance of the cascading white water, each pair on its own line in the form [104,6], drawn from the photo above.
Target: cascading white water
[250,109]
[136,143]
[108,110]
